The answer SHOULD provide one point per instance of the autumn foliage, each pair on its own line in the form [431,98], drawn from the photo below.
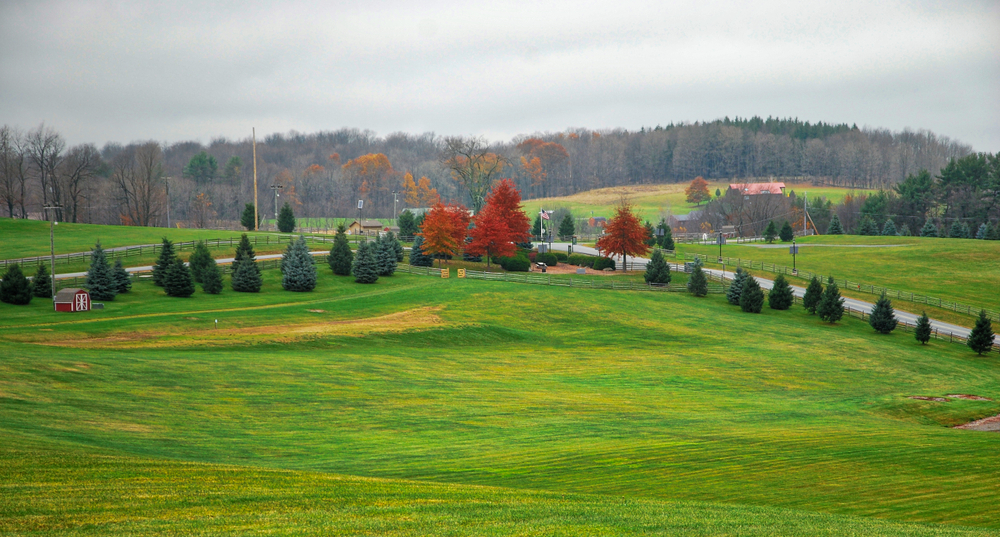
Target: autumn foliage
[444,230]
[501,224]
[419,194]
[697,191]
[624,235]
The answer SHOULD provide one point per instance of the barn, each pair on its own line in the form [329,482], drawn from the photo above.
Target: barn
[72,299]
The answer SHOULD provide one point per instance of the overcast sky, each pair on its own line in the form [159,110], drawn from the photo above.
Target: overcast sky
[172,71]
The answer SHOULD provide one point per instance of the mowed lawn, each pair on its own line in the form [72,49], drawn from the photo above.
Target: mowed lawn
[636,399]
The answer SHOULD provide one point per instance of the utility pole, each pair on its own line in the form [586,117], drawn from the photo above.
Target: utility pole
[395,221]
[52,253]
[275,189]
[167,181]
[805,212]
[256,217]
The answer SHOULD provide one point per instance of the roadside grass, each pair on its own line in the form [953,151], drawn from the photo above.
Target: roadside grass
[635,396]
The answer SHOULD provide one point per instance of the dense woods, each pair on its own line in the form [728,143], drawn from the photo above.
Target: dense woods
[325,173]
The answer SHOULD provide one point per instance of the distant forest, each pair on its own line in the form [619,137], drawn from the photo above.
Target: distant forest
[323,174]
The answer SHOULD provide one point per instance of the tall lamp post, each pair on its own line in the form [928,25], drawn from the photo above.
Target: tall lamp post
[275,189]
[395,219]
[166,180]
[793,249]
[52,253]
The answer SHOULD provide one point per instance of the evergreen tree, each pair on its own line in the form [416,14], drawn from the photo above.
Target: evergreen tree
[166,259]
[407,224]
[41,284]
[831,306]
[883,318]
[923,330]
[666,240]
[286,219]
[199,260]
[780,297]
[385,257]
[365,265]
[889,229]
[417,256]
[298,272]
[536,229]
[752,297]
[929,229]
[904,230]
[246,274]
[736,288]
[771,232]
[718,193]
[341,257]
[867,226]
[397,248]
[15,288]
[123,282]
[100,280]
[657,270]
[981,338]
[567,228]
[964,231]
[983,232]
[786,234]
[814,293]
[650,234]
[956,230]
[994,234]
[698,284]
[211,278]
[177,281]
[835,227]
[247,218]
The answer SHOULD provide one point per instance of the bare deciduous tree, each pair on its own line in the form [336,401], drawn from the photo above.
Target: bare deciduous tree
[473,165]
[45,147]
[78,171]
[138,175]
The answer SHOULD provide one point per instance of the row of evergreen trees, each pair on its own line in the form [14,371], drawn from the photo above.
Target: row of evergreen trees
[372,260]
[17,290]
[958,230]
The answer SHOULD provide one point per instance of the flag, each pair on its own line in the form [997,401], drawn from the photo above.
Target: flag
[545,215]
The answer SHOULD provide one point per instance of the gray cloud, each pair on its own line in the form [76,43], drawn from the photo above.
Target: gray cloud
[99,71]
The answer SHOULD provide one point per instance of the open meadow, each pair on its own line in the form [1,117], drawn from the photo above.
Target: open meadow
[421,405]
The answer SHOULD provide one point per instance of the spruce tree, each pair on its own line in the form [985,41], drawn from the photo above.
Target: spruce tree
[786,234]
[650,234]
[922,332]
[736,288]
[166,259]
[752,297]
[211,278]
[964,231]
[199,260]
[177,281]
[657,270]
[385,257]
[956,230]
[247,218]
[41,284]
[123,282]
[100,279]
[981,337]
[698,284]
[929,229]
[246,274]
[666,240]
[341,257]
[780,297]
[365,264]
[286,219]
[814,293]
[983,231]
[397,248]
[994,233]
[883,318]
[298,271]
[889,229]
[15,288]
[771,232]
[407,224]
[567,228]
[835,227]
[831,306]
[417,256]
[904,230]
[867,226]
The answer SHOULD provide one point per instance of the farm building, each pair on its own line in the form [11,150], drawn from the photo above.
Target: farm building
[365,227]
[758,189]
[72,299]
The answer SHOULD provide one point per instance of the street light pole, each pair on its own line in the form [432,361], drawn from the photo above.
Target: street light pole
[275,189]
[167,181]
[395,220]
[52,253]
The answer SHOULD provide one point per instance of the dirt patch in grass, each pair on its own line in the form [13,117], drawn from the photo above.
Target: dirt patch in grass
[968,397]
[316,311]
[925,398]
[990,424]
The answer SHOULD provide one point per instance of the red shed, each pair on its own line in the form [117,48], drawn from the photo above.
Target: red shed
[72,300]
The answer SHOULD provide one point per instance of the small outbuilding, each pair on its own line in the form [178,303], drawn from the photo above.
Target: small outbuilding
[365,227]
[72,299]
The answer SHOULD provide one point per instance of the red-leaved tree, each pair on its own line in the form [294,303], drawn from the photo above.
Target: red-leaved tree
[501,224]
[624,234]
[444,230]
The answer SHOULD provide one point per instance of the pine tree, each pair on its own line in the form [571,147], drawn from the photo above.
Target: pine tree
[123,282]
[698,284]
[567,228]
[889,229]
[650,234]
[41,284]
[385,257]
[166,259]
[831,306]
[780,297]
[286,219]
[994,234]
[883,318]
[341,257]
[365,264]
[771,232]
[964,231]
[199,260]
[981,337]
[929,229]
[211,278]
[15,288]
[752,297]
[956,230]
[923,330]
[177,281]
[786,234]
[736,288]
[657,270]
[298,272]
[246,274]
[417,256]
[666,240]
[835,227]
[814,293]
[397,248]
[247,218]
[100,280]
[407,224]
[904,230]
[867,226]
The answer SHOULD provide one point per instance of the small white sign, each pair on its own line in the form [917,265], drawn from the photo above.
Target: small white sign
[361,204]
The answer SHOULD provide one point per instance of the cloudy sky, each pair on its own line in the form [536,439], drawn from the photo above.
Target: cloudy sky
[172,71]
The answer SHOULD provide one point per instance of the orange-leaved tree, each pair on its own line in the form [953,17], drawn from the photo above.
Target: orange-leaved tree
[444,230]
[697,191]
[410,196]
[624,235]
[500,224]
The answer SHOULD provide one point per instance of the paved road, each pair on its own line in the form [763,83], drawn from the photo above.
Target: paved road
[853,303]
[148,268]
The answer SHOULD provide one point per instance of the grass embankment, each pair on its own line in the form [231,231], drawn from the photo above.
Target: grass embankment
[635,397]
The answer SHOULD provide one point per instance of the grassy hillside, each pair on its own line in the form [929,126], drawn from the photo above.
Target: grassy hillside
[636,398]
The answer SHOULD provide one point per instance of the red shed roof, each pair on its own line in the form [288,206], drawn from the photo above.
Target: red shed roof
[752,189]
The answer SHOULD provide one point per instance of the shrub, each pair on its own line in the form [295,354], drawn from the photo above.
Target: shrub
[581,260]
[602,263]
[15,289]
[517,263]
[41,284]
[547,258]
[561,256]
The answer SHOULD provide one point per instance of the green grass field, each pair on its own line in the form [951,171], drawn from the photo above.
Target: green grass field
[431,406]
